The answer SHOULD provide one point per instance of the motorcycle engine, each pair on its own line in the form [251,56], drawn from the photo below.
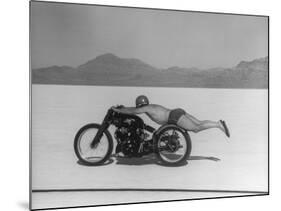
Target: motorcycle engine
[129,137]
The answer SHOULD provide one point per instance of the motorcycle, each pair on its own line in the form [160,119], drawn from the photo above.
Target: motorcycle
[93,143]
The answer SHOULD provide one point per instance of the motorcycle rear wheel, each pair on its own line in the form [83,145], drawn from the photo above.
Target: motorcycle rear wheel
[179,152]
[82,145]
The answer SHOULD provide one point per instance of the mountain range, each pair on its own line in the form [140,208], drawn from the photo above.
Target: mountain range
[111,70]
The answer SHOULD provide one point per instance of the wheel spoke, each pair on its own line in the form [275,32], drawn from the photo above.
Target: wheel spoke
[175,149]
[88,153]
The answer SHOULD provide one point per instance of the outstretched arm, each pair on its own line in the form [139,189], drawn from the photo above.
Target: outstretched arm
[129,110]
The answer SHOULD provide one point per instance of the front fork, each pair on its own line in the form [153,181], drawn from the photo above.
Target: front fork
[98,136]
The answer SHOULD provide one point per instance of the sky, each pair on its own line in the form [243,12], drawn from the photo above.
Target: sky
[72,34]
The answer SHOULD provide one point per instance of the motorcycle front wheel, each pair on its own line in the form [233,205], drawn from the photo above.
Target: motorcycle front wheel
[96,155]
[173,146]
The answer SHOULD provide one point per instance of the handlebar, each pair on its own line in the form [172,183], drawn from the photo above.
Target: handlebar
[120,106]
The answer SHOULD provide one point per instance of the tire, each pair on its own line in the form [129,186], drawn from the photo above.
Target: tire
[77,147]
[186,137]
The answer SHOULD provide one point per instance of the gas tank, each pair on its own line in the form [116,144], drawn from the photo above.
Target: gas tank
[128,120]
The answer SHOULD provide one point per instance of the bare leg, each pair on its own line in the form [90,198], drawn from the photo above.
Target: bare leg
[192,118]
[190,123]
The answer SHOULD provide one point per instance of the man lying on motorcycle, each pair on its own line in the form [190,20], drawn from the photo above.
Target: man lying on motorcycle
[180,117]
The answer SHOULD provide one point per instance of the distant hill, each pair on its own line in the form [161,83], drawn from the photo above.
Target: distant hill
[109,69]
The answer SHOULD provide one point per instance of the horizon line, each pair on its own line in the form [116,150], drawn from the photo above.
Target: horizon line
[160,68]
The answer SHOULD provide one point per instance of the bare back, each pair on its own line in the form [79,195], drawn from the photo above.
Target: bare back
[157,113]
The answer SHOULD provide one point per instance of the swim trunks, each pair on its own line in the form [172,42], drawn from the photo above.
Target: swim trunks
[175,115]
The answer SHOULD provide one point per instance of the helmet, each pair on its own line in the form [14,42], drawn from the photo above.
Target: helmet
[141,101]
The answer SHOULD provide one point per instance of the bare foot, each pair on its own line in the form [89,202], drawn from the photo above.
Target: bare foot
[224,128]
[221,126]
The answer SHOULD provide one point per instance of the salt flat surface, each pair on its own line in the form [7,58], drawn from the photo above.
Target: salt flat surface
[216,163]
[71,199]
